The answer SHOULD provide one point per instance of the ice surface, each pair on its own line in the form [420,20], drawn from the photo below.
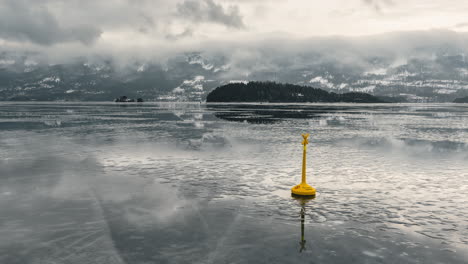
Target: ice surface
[195,183]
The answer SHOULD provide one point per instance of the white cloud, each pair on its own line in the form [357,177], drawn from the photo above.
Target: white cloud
[157,29]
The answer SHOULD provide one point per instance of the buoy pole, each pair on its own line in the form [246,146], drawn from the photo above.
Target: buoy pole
[304,189]
[304,155]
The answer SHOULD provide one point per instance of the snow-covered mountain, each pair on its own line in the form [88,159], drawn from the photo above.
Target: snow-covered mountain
[182,78]
[191,76]
[438,79]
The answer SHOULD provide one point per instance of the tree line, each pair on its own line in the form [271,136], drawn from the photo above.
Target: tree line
[284,93]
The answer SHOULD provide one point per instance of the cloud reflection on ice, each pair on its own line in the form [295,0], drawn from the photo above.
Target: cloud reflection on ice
[147,184]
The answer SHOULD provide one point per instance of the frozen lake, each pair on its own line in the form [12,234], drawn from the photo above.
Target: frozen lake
[194,183]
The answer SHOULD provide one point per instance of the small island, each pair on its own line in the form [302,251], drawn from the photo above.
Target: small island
[461,100]
[125,99]
[283,93]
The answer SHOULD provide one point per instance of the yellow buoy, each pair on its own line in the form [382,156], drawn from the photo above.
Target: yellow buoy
[303,189]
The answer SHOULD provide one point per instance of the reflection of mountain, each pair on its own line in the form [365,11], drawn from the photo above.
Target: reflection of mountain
[272,113]
[257,113]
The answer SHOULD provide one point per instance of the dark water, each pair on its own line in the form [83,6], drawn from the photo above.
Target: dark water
[193,183]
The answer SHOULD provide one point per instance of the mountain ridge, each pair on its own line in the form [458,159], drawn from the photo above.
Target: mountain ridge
[191,76]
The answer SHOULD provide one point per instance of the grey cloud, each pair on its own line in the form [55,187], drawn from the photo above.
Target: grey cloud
[147,23]
[347,54]
[378,4]
[21,21]
[186,33]
[209,11]
[461,25]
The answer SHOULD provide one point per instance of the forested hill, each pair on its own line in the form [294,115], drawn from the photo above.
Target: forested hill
[284,93]
[461,100]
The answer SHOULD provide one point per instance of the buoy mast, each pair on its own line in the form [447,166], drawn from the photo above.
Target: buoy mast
[304,189]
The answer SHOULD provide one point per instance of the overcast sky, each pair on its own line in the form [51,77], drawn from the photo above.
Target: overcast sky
[152,25]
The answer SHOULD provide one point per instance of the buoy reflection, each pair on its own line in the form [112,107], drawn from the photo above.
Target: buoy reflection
[302,201]
[303,241]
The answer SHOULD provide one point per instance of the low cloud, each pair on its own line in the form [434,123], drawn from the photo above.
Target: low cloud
[461,25]
[188,32]
[22,22]
[377,5]
[210,12]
